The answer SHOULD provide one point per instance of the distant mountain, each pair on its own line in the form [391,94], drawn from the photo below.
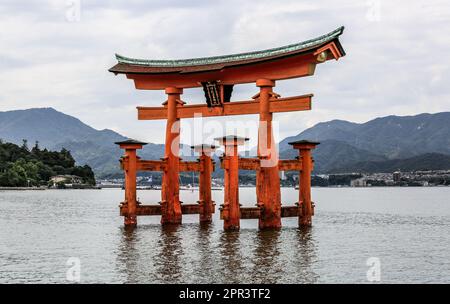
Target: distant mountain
[55,130]
[333,153]
[344,145]
[428,161]
[392,137]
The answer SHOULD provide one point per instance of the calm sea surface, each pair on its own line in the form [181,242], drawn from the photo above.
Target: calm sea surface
[407,229]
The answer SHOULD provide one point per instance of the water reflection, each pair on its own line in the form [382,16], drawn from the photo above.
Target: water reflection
[350,226]
[231,259]
[167,260]
[206,271]
[128,255]
[267,267]
[305,255]
[204,254]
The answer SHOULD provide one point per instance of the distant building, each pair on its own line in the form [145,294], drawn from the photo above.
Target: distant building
[359,182]
[396,176]
[390,182]
[67,180]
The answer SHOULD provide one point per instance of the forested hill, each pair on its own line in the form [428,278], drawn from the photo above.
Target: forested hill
[347,146]
[55,130]
[21,166]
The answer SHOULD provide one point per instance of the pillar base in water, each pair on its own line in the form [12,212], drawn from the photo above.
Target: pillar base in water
[206,212]
[130,221]
[171,217]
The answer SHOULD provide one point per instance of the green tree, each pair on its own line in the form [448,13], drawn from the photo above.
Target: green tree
[21,167]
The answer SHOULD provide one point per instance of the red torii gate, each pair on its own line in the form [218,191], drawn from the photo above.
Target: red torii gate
[217,75]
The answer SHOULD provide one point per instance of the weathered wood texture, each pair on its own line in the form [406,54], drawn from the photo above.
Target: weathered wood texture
[289,104]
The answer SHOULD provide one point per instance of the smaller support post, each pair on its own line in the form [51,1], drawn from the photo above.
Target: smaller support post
[230,210]
[205,199]
[305,203]
[130,159]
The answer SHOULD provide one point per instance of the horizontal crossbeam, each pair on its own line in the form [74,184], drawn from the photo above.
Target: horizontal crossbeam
[288,104]
[283,164]
[289,165]
[151,165]
[149,210]
[246,212]
[160,165]
[255,212]
[191,166]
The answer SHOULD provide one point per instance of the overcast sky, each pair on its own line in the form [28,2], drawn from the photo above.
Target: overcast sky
[50,56]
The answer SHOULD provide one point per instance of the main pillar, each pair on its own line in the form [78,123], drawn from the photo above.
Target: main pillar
[170,192]
[129,162]
[305,203]
[267,177]
[230,210]
[205,199]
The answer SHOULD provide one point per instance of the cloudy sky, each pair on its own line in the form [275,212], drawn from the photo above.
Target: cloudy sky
[56,53]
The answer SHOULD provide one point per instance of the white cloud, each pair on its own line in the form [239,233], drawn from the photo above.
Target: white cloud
[397,65]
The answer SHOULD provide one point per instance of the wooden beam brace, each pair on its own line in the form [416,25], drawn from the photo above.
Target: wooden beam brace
[160,165]
[191,166]
[283,164]
[255,212]
[195,166]
[290,211]
[289,165]
[190,208]
[250,213]
[151,165]
[249,163]
[142,210]
[123,163]
[288,104]
[150,210]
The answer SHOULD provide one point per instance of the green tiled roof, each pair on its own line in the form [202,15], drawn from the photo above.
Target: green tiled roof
[235,57]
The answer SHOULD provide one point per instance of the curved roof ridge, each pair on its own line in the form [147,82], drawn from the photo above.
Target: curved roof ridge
[233,57]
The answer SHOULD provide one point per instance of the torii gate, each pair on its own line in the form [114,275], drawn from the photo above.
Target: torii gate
[217,75]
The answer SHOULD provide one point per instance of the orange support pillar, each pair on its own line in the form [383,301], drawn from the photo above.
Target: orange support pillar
[267,177]
[230,210]
[205,199]
[130,167]
[170,192]
[305,203]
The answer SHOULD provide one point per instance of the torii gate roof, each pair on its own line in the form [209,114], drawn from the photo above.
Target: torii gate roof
[184,73]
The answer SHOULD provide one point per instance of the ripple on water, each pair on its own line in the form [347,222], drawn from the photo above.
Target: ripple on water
[409,231]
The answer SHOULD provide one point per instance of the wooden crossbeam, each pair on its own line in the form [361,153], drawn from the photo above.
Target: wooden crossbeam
[290,211]
[190,208]
[283,164]
[196,166]
[149,210]
[160,165]
[248,163]
[190,166]
[142,210]
[289,165]
[248,213]
[288,104]
[151,165]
